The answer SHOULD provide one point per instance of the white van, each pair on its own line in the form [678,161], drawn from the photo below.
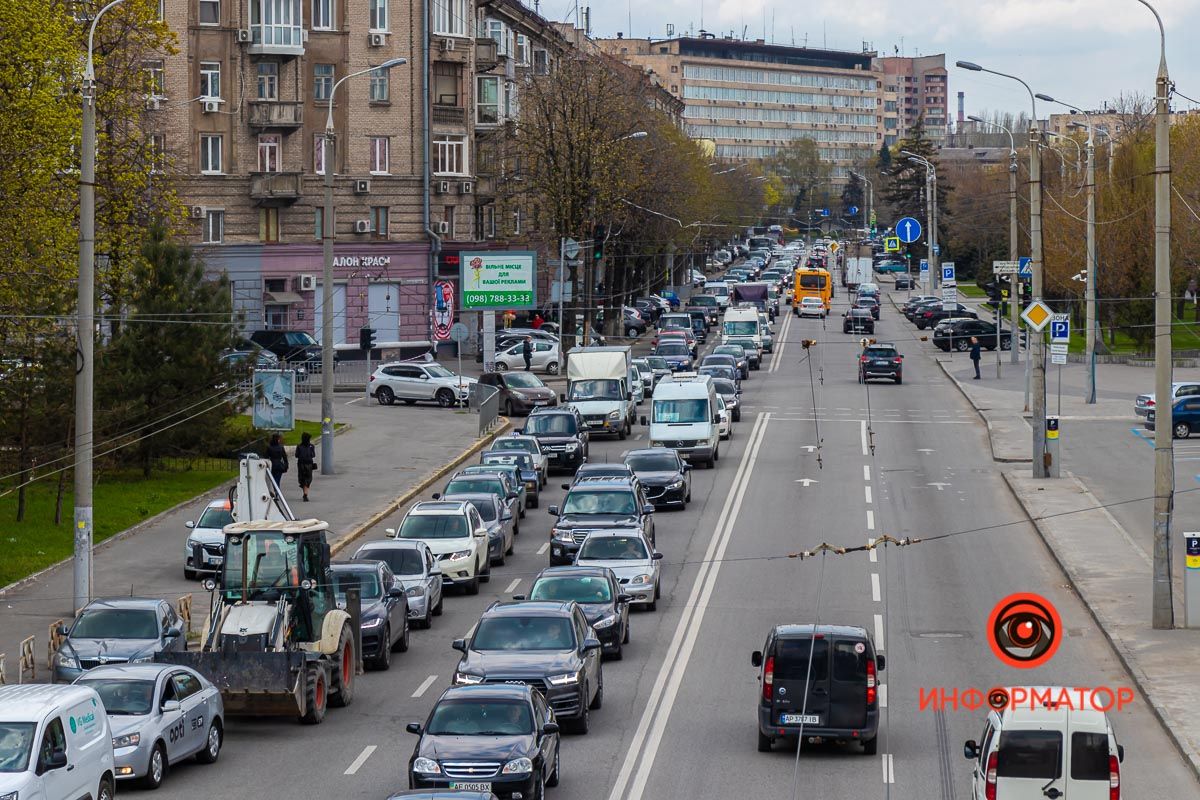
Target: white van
[719,290]
[1033,749]
[55,743]
[683,416]
[742,321]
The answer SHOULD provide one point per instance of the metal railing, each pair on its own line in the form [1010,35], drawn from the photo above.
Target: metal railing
[485,401]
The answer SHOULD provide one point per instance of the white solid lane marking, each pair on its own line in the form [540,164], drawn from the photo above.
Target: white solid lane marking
[643,748]
[866,472]
[777,358]
[424,687]
[875,586]
[542,550]
[508,589]
[350,403]
[883,695]
[889,774]
[867,494]
[871,523]
[879,631]
[863,429]
[362,759]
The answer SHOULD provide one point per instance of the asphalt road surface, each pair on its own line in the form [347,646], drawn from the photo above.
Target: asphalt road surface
[679,714]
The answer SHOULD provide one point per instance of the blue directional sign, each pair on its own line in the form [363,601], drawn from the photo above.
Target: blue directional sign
[924,268]
[824,212]
[937,249]
[853,210]
[947,271]
[908,229]
[1025,267]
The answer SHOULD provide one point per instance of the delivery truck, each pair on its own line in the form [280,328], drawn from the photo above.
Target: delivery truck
[600,387]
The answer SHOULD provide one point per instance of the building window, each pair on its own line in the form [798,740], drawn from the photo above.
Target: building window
[451,17]
[210,12]
[379,16]
[158,153]
[277,22]
[268,152]
[517,222]
[268,80]
[522,55]
[447,84]
[322,15]
[379,155]
[511,106]
[541,62]
[487,224]
[276,317]
[379,221]
[214,226]
[319,145]
[449,154]
[319,222]
[487,100]
[379,86]
[268,224]
[210,80]
[500,33]
[155,78]
[322,82]
[210,154]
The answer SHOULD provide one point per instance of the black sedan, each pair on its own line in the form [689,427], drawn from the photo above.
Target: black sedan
[384,609]
[501,739]
[957,335]
[598,593]
[858,320]
[665,477]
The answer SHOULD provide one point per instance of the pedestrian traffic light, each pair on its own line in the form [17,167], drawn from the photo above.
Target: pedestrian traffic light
[598,234]
[366,338]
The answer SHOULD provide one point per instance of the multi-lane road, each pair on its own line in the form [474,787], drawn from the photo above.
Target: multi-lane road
[679,710]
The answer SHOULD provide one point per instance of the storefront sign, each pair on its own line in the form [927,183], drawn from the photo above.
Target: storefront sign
[357,262]
[443,309]
[498,279]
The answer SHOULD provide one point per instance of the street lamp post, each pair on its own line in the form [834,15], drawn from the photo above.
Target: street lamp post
[870,199]
[85,324]
[935,273]
[328,163]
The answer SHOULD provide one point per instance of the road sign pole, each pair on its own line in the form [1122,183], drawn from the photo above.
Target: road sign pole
[1014,282]
[1038,350]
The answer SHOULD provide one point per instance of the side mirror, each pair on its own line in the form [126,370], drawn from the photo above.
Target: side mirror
[391,532]
[549,728]
[395,591]
[591,643]
[756,658]
[61,630]
[56,760]
[643,420]
[553,511]
[1120,752]
[414,727]
[460,645]
[173,632]
[970,750]
[518,597]
[189,524]
[716,418]
[880,662]
[566,486]
[647,509]
[687,467]
[629,395]
[562,398]
[624,598]
[506,516]
[657,556]
[170,706]
[437,495]
[435,572]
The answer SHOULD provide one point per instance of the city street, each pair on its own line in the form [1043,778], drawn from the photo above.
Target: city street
[678,718]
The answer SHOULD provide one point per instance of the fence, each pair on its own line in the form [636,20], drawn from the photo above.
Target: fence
[485,401]
[184,606]
[25,660]
[53,640]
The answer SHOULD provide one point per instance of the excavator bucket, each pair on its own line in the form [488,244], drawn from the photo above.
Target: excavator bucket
[251,683]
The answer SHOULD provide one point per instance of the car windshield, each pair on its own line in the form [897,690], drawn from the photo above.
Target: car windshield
[607,389]
[746,328]
[438,371]
[580,588]
[366,579]
[704,300]
[272,560]
[16,743]
[551,424]
[524,445]
[719,291]
[401,562]
[664,461]
[506,459]
[480,718]
[599,502]
[299,339]
[216,518]
[433,526]
[116,623]
[657,362]
[735,350]
[123,698]
[523,380]
[672,349]
[524,633]
[614,548]
[879,352]
[725,386]
[681,410]
[476,485]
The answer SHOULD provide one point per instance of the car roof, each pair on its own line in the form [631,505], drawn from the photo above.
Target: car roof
[643,451]
[608,533]
[130,672]
[31,701]
[606,482]
[1079,719]
[573,570]
[124,602]
[798,630]
[470,496]
[393,544]
[525,608]
[486,690]
[438,507]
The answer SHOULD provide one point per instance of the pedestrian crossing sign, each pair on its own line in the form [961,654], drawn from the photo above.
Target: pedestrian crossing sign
[891,244]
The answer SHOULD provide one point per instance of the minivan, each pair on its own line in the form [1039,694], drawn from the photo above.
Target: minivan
[836,699]
[58,744]
[1037,747]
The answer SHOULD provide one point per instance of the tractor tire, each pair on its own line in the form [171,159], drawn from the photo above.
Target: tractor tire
[316,695]
[343,674]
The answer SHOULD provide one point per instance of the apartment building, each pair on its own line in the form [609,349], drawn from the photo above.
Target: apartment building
[914,87]
[749,99]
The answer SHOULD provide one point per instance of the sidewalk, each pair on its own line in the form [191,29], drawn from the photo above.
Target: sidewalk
[386,455]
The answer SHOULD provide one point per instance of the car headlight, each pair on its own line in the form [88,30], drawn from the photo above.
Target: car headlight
[517,765]
[572,447]
[458,555]
[467,679]
[372,623]
[561,535]
[614,414]
[128,740]
[191,543]
[644,578]
[426,766]
[10,796]
[144,658]
[415,591]
[675,485]
[65,660]
[606,622]
[566,679]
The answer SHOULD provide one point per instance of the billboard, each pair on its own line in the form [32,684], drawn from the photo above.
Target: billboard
[443,310]
[274,400]
[498,280]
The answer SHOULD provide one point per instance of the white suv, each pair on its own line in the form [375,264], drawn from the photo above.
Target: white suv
[456,535]
[412,381]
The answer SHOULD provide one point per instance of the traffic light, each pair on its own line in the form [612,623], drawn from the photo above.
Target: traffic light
[598,234]
[366,338]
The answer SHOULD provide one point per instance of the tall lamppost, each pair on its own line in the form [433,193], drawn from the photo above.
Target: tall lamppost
[329,163]
[870,198]
[1041,467]
[935,272]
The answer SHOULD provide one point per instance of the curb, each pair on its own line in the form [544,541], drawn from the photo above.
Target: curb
[985,420]
[418,488]
[1126,658]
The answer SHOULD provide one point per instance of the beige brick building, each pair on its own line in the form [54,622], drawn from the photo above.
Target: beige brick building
[915,87]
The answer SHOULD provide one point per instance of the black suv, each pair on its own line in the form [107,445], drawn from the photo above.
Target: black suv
[957,335]
[547,645]
[665,477]
[598,503]
[562,434]
[597,590]
[928,316]
[501,739]
[880,361]
[292,346]
[858,320]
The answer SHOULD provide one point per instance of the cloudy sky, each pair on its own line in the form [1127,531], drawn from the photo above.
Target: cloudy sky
[1084,51]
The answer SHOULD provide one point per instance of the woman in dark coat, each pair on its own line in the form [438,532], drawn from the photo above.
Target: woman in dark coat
[306,462]
[278,457]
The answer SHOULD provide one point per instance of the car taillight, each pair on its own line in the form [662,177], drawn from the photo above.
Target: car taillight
[989,788]
[1149,402]
[928,314]
[1114,778]
[862,359]
[871,690]
[768,677]
[895,361]
[372,377]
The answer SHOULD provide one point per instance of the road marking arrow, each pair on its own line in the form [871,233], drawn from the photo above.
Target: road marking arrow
[925,450]
[809,447]
[941,487]
[807,482]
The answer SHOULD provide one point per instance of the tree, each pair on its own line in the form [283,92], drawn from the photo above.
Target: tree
[885,158]
[853,196]
[800,169]
[166,358]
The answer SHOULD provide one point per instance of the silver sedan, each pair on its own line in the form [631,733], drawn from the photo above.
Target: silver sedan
[160,714]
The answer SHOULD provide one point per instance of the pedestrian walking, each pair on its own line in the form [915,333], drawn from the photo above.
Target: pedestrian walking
[306,462]
[538,322]
[975,355]
[527,352]
[278,457]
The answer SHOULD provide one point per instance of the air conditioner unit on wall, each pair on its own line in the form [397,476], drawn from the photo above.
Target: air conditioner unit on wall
[376,39]
[362,186]
[466,187]
[244,36]
[443,227]
[197,212]
[306,283]
[210,106]
[447,45]
[443,187]
[362,226]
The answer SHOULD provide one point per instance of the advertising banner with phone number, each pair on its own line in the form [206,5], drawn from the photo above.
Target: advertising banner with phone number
[498,280]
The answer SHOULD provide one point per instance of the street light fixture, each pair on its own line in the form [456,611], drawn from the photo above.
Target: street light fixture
[328,163]
[931,214]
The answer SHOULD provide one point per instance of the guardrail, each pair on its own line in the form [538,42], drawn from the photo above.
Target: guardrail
[53,640]
[184,606]
[26,661]
[485,401]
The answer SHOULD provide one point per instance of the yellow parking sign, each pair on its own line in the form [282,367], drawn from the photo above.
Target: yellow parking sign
[891,244]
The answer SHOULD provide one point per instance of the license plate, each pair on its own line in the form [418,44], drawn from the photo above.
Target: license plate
[881,363]
[799,719]
[540,402]
[474,786]
[213,559]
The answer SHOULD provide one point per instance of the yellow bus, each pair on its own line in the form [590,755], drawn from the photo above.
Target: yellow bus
[811,282]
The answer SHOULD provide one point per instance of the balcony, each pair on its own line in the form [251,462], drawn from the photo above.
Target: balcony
[265,115]
[276,28]
[275,188]
[449,115]
[486,54]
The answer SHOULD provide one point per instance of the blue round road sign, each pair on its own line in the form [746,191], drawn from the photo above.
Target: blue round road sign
[908,229]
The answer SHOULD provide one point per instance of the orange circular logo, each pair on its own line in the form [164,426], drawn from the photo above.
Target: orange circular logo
[1024,630]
